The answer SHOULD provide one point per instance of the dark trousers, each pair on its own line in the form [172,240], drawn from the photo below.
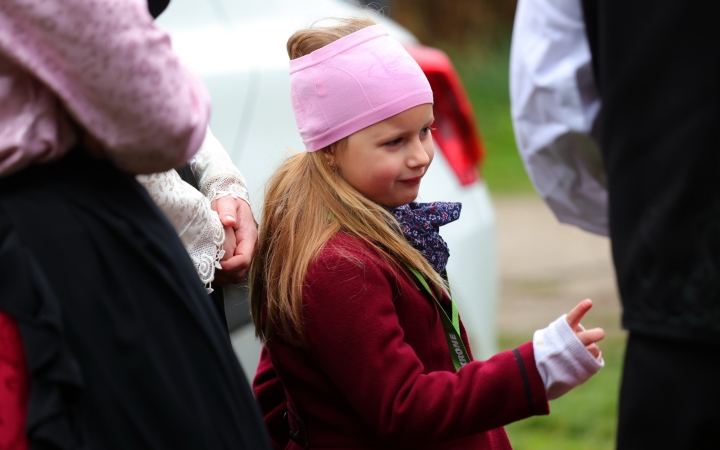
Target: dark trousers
[670,395]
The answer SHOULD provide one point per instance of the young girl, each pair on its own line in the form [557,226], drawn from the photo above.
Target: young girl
[363,346]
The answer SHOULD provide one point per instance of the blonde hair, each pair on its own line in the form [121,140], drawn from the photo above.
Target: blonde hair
[306,204]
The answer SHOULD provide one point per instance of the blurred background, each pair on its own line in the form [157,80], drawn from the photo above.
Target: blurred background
[545,267]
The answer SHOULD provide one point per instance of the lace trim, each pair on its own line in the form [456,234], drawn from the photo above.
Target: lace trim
[222,185]
[206,251]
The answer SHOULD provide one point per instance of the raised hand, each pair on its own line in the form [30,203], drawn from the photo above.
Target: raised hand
[589,338]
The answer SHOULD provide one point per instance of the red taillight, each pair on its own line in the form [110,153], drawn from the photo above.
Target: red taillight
[455,131]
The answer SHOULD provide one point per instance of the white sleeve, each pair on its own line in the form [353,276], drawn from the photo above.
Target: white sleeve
[197,225]
[561,359]
[555,104]
[215,172]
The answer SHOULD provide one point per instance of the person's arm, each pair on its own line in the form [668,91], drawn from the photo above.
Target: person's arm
[200,216]
[555,106]
[354,335]
[197,225]
[115,73]
[215,172]
[566,354]
[224,186]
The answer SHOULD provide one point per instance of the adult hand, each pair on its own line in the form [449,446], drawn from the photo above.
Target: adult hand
[587,337]
[236,214]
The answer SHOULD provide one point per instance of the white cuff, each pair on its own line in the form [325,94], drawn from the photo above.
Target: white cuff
[561,359]
[223,185]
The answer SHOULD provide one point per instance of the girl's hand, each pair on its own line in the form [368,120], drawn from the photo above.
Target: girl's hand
[560,358]
[587,337]
[230,243]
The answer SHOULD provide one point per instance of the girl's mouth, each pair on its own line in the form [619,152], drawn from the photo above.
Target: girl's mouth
[412,181]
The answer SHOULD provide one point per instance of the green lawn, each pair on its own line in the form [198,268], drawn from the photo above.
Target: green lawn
[485,76]
[584,418]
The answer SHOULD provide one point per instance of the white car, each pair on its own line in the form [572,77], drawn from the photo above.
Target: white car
[238,48]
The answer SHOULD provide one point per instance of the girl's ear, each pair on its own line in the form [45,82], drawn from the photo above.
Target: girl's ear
[330,158]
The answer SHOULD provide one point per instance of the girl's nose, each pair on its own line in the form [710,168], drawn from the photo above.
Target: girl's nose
[418,156]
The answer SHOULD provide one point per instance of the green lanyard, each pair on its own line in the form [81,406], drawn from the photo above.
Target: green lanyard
[459,355]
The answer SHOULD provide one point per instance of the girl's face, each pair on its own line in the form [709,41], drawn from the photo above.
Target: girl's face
[386,161]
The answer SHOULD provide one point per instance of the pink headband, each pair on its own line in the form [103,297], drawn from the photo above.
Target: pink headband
[352,83]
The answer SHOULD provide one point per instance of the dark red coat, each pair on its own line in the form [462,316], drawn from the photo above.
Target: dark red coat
[377,371]
[14,386]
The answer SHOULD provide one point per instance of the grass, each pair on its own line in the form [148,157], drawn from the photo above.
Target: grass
[485,76]
[585,418]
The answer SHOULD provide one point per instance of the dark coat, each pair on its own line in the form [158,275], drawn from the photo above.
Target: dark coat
[123,348]
[657,68]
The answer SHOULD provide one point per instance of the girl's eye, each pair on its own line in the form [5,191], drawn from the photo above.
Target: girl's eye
[425,131]
[394,143]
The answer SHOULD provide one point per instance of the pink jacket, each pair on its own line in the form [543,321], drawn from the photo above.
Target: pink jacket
[101,64]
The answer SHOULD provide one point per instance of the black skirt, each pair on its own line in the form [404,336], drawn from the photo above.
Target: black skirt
[124,348]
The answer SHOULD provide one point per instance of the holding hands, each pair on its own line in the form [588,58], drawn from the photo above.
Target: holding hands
[240,238]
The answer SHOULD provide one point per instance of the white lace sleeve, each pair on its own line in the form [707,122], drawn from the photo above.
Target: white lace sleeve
[195,222]
[215,172]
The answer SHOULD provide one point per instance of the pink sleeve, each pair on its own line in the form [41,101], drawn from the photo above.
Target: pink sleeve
[116,74]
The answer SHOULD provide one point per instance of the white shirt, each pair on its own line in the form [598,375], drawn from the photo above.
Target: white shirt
[555,105]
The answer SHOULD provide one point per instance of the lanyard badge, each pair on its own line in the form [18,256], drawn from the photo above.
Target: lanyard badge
[451,325]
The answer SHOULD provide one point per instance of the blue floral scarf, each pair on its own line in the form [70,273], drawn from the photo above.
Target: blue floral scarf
[420,223]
